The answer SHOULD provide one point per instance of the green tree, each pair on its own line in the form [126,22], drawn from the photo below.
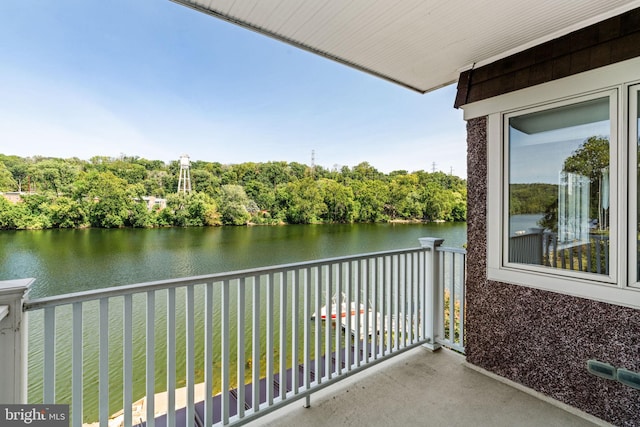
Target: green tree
[233,205]
[371,197]
[56,175]
[65,212]
[339,201]
[404,197]
[108,198]
[8,215]
[305,202]
[7,183]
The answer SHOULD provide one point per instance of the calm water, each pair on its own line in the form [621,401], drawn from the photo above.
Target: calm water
[65,261]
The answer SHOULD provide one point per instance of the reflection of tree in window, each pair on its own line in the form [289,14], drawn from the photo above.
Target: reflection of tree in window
[591,160]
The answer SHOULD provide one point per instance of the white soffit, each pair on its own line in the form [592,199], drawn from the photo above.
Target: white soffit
[422,45]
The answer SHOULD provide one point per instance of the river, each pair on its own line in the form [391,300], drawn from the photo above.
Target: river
[64,261]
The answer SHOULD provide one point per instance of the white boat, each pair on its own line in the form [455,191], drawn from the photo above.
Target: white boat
[382,325]
[345,308]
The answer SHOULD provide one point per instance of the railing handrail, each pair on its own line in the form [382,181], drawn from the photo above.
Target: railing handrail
[454,250]
[121,290]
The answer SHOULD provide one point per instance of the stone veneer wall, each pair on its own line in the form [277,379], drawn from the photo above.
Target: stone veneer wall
[538,338]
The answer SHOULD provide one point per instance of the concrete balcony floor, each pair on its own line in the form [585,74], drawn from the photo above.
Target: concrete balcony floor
[421,388]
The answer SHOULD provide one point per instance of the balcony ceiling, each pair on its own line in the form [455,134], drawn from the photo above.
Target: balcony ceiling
[422,45]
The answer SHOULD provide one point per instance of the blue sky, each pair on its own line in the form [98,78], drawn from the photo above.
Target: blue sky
[154,79]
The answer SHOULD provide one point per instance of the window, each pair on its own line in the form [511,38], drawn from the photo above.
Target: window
[563,193]
[559,187]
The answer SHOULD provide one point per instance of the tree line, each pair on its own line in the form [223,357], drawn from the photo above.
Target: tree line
[108,192]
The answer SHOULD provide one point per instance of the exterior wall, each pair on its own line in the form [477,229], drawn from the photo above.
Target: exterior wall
[543,339]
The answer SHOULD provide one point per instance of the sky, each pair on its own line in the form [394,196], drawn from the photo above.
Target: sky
[154,79]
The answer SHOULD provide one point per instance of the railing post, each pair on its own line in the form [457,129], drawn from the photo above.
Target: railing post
[13,341]
[434,299]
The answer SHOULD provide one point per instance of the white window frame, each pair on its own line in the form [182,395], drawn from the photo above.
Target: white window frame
[632,137]
[611,278]
[621,286]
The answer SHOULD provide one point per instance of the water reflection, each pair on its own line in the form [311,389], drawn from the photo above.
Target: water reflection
[64,261]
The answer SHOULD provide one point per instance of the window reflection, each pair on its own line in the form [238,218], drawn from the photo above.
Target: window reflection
[559,187]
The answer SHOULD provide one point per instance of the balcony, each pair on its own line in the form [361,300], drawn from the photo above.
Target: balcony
[230,348]
[421,387]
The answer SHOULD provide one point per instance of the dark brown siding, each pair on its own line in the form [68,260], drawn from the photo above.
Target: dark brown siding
[614,40]
[543,339]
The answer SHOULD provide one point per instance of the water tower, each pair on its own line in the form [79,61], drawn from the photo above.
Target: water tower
[184,182]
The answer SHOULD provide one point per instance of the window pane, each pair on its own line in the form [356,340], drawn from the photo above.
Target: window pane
[559,187]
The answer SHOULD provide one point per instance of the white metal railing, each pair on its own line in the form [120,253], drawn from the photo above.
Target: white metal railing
[253,340]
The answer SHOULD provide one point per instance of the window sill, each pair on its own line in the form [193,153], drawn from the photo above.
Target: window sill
[608,293]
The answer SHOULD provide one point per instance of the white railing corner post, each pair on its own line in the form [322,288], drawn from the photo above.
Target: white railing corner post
[434,294]
[13,341]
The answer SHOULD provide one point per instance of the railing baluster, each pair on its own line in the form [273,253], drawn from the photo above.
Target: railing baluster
[295,331]
[307,331]
[388,264]
[412,298]
[208,354]
[328,321]
[404,279]
[580,253]
[417,285]
[396,301]
[374,308]
[191,361]
[422,282]
[150,357]
[605,244]
[104,362]
[357,338]
[241,356]
[347,320]
[255,345]
[127,369]
[224,336]
[452,297]
[283,335]
[76,365]
[339,312]
[462,297]
[49,362]
[440,284]
[270,344]
[318,325]
[171,357]
[367,312]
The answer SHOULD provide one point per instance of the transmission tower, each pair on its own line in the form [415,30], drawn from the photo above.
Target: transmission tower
[184,182]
